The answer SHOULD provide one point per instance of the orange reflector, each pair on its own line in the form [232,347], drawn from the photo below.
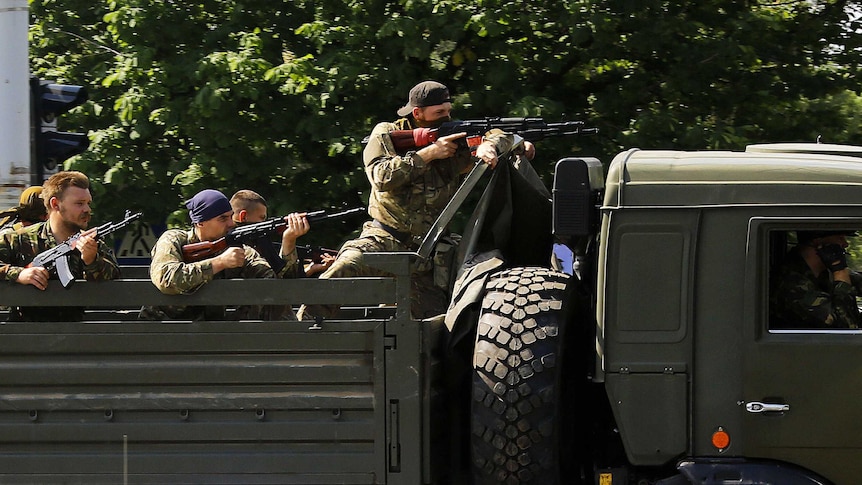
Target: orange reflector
[720,439]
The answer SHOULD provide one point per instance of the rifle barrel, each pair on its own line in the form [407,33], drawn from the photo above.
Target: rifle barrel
[323,216]
[246,232]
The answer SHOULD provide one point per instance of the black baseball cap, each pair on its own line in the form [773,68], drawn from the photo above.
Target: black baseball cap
[426,93]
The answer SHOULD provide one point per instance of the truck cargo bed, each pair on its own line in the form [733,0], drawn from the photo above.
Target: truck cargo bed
[114,399]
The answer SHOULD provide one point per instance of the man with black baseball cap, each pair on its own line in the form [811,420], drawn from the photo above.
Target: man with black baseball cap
[424,94]
[813,287]
[409,191]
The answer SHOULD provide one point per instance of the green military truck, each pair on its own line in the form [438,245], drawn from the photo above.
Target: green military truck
[655,361]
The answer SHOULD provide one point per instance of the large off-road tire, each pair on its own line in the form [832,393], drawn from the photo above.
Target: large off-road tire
[516,419]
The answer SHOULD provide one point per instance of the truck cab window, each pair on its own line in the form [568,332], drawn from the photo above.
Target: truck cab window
[814,280]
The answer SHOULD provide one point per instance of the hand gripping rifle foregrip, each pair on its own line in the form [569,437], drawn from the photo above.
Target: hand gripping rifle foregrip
[248,233]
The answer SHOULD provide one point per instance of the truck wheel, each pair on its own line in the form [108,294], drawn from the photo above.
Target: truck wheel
[516,380]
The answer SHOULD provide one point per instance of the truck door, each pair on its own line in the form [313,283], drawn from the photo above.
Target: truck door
[802,392]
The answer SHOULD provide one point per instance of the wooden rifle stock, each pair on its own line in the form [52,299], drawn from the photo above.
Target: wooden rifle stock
[531,129]
[249,233]
[405,140]
[202,250]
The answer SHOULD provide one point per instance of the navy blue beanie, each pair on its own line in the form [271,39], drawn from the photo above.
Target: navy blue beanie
[207,204]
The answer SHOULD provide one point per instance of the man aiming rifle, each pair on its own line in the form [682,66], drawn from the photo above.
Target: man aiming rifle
[415,166]
[212,220]
[249,234]
[530,129]
[410,187]
[249,207]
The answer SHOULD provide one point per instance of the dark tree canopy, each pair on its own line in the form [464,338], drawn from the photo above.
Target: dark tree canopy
[276,96]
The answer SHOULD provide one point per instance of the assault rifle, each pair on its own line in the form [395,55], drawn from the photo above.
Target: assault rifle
[530,129]
[250,233]
[58,256]
[314,253]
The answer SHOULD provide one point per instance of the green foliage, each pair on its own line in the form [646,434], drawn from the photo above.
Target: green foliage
[854,253]
[276,96]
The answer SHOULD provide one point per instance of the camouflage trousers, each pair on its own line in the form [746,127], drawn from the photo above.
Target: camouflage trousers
[427,299]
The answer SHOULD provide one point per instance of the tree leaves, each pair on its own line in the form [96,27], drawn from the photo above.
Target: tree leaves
[276,96]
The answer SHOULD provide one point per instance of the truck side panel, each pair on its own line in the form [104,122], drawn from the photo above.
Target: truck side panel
[647,323]
[198,401]
[114,399]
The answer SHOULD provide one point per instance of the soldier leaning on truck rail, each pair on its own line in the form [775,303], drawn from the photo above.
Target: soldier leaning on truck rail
[249,207]
[813,287]
[30,210]
[408,192]
[212,218]
[67,198]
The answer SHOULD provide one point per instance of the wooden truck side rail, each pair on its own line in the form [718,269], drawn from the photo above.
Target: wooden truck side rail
[129,401]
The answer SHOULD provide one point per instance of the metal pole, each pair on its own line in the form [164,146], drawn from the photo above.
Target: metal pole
[14,101]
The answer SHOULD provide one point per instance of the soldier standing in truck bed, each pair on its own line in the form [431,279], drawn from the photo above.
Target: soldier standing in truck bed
[408,192]
[813,287]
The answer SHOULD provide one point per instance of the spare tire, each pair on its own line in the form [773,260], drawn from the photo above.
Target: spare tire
[516,388]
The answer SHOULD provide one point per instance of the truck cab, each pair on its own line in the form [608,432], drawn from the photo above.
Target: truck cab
[695,369]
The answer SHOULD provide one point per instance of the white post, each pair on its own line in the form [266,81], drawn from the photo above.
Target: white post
[14,101]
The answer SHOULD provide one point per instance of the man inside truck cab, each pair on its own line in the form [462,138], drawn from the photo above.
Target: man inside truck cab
[812,287]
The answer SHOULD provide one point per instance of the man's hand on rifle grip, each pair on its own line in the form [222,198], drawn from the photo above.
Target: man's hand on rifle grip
[88,245]
[232,257]
[314,268]
[443,147]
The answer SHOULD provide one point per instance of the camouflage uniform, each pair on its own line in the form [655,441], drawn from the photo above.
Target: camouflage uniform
[31,209]
[407,196]
[798,299]
[172,276]
[19,247]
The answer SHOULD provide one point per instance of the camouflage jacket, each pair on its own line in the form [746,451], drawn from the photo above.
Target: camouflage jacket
[798,299]
[172,276]
[407,193]
[19,247]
